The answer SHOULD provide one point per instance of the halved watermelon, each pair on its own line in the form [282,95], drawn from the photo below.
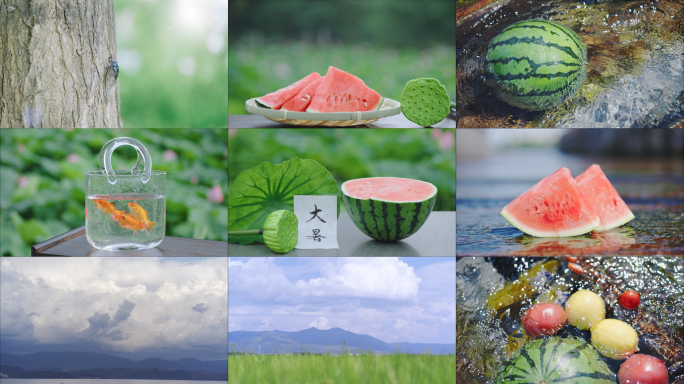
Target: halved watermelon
[603,198]
[275,100]
[343,92]
[301,101]
[554,207]
[388,208]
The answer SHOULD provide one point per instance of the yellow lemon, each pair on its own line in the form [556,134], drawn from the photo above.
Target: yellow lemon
[585,309]
[614,339]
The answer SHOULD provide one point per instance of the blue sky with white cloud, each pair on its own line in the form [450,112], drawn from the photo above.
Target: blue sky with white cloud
[393,299]
[137,308]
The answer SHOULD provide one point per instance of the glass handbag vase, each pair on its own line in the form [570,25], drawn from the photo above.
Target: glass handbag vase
[125,209]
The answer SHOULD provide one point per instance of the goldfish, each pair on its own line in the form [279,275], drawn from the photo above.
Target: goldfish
[128,222]
[108,208]
[140,214]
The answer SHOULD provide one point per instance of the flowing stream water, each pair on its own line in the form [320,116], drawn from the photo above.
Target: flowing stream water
[485,338]
[635,70]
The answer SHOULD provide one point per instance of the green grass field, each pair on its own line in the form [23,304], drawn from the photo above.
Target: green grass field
[257,69]
[328,369]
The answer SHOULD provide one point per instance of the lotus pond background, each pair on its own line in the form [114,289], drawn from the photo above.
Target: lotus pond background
[385,43]
[355,153]
[370,369]
[42,182]
[173,61]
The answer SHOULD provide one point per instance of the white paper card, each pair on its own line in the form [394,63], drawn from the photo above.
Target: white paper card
[317,216]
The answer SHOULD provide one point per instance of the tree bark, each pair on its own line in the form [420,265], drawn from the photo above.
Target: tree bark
[54,60]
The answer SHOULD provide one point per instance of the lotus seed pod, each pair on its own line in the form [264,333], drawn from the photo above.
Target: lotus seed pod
[280,231]
[425,101]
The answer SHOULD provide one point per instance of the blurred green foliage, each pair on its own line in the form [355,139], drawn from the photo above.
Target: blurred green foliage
[406,23]
[42,180]
[428,155]
[153,44]
[255,70]
[385,43]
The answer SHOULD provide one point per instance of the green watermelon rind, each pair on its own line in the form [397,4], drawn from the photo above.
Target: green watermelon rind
[542,360]
[552,233]
[261,105]
[517,75]
[386,220]
[616,223]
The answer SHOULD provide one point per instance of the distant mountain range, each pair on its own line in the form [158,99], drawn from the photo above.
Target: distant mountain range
[97,365]
[333,340]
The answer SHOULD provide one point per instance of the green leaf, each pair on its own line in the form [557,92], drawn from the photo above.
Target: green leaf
[28,190]
[33,231]
[257,192]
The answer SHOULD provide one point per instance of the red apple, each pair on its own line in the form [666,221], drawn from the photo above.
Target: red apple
[543,319]
[643,369]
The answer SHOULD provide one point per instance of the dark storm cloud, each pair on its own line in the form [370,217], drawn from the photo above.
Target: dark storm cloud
[124,311]
[201,308]
[101,323]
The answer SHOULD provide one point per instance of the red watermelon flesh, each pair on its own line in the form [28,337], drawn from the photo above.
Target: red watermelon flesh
[275,100]
[554,207]
[343,92]
[603,198]
[301,101]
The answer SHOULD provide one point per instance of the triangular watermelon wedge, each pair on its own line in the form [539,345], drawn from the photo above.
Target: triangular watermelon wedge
[275,100]
[301,101]
[603,198]
[554,207]
[343,92]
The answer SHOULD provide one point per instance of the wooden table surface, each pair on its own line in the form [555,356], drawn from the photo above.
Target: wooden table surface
[396,121]
[74,243]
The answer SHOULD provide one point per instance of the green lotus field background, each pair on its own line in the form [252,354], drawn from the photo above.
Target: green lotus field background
[42,182]
[427,155]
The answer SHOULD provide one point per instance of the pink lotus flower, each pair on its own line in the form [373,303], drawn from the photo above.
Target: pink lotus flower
[170,155]
[23,181]
[72,158]
[232,132]
[215,194]
[446,141]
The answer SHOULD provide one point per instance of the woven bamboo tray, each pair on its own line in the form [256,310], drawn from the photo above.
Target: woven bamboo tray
[389,107]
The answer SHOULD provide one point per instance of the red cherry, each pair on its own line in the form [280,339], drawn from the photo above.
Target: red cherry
[629,299]
[543,319]
[643,369]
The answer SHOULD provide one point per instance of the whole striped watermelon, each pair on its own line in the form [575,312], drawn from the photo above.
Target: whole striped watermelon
[535,64]
[556,360]
[388,208]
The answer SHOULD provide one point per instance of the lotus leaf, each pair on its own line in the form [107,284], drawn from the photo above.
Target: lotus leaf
[257,192]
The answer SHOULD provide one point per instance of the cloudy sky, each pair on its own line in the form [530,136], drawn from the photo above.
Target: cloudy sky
[393,299]
[137,308]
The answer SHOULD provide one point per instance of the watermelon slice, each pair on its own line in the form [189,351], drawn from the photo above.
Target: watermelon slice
[603,198]
[554,207]
[343,92]
[302,100]
[275,100]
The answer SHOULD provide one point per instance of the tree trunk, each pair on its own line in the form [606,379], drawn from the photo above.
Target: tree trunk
[54,61]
